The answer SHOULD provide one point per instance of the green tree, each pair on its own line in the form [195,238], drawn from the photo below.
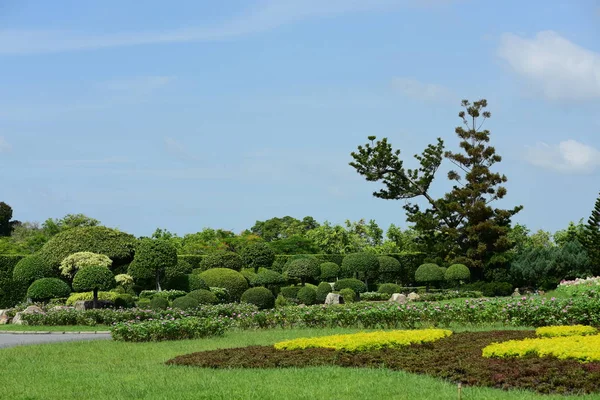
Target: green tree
[574,232]
[591,237]
[54,226]
[93,278]
[295,244]
[6,214]
[151,258]
[461,226]
[257,255]
[281,228]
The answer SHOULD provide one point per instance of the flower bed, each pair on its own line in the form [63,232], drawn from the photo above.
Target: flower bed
[573,330]
[366,340]
[581,348]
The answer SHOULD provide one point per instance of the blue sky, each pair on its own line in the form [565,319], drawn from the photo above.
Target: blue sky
[192,114]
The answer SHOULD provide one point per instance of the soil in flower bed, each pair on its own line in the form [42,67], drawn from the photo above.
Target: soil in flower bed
[456,358]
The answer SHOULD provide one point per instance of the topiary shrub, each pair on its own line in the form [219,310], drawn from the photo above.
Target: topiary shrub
[87,296]
[348,294]
[32,268]
[290,292]
[352,283]
[204,296]
[221,293]
[323,290]
[428,274]
[389,288]
[457,273]
[363,266]
[195,283]
[307,295]
[159,303]
[69,266]
[257,255]
[11,291]
[93,278]
[249,274]
[390,269]
[48,288]
[272,280]
[176,275]
[330,271]
[124,300]
[261,297]
[118,246]
[303,269]
[222,259]
[186,303]
[281,301]
[226,278]
[152,258]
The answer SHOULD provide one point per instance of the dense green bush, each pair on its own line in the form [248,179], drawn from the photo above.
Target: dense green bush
[193,259]
[303,269]
[222,259]
[124,300]
[323,290]
[93,278]
[11,291]
[429,273]
[352,283]
[348,294]
[257,255]
[389,288]
[290,292]
[307,295]
[329,271]
[489,289]
[152,258]
[269,278]
[457,272]
[167,294]
[143,303]
[390,269]
[186,303]
[221,293]
[159,303]
[32,268]
[261,297]
[281,301]
[48,288]
[154,331]
[195,282]
[226,278]
[176,276]
[363,266]
[87,296]
[69,266]
[118,246]
[204,296]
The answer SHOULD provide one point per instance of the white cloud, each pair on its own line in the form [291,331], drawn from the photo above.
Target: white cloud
[269,15]
[557,68]
[415,89]
[4,145]
[568,156]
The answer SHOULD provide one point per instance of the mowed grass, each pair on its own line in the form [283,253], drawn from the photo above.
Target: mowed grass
[115,370]
[66,328]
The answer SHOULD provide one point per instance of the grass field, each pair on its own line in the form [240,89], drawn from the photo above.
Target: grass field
[68,328]
[114,370]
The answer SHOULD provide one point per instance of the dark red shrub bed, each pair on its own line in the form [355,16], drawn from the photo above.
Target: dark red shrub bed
[456,358]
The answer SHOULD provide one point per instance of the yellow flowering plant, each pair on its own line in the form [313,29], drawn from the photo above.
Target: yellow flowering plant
[572,330]
[366,340]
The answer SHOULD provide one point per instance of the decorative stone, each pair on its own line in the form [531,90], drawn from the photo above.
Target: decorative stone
[4,318]
[18,319]
[412,296]
[516,293]
[334,298]
[398,298]
[61,308]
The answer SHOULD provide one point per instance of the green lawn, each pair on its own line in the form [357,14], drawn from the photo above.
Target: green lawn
[114,370]
[68,328]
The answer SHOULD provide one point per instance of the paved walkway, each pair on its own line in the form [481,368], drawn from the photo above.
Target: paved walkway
[16,339]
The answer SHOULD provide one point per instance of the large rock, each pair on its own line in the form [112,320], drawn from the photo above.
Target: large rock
[334,298]
[398,298]
[4,318]
[61,308]
[18,319]
[412,296]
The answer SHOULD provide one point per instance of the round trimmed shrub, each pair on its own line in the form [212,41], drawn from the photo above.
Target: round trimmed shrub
[176,275]
[32,268]
[143,303]
[307,295]
[221,293]
[269,278]
[261,297]
[93,278]
[429,273]
[70,265]
[48,288]
[204,296]
[124,300]
[290,292]
[323,290]
[330,271]
[390,269]
[304,269]
[195,283]
[152,258]
[360,265]
[351,283]
[118,246]
[185,303]
[159,303]
[249,274]
[221,259]
[226,278]
[457,272]
[348,294]
[389,288]
[258,255]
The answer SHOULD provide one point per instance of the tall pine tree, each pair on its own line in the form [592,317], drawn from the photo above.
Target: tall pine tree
[591,237]
[461,226]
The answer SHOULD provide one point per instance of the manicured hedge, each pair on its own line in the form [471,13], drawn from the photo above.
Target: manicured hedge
[226,278]
[30,269]
[11,291]
[261,297]
[48,288]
